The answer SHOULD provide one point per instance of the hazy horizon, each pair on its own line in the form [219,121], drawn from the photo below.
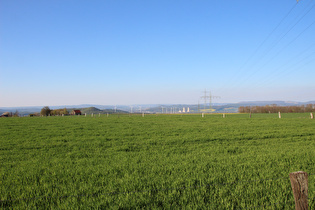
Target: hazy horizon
[166,104]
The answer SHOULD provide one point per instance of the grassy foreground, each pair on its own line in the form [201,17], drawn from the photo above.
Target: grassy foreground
[156,161]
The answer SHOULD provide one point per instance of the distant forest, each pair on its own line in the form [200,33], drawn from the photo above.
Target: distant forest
[46,111]
[275,109]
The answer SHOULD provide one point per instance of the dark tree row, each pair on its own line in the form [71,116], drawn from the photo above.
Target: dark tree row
[276,109]
[46,111]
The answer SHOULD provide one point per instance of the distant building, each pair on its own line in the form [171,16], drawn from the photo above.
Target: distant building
[6,114]
[76,112]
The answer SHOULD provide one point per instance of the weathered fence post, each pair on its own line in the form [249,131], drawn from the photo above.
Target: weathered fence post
[223,115]
[312,116]
[203,115]
[299,183]
[99,114]
[142,114]
[279,115]
[107,114]
[85,114]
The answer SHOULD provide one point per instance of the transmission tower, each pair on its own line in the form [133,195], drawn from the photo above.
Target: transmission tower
[207,95]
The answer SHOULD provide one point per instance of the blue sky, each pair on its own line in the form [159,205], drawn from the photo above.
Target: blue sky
[108,52]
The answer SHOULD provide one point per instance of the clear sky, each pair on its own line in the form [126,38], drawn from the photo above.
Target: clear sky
[107,52]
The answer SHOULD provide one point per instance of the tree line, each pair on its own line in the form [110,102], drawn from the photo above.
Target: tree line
[46,111]
[275,109]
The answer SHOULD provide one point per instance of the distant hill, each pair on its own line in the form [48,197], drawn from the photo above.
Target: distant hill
[153,108]
[91,110]
[193,108]
[94,110]
[24,111]
[278,103]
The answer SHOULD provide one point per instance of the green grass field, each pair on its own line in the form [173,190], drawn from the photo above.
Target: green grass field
[156,161]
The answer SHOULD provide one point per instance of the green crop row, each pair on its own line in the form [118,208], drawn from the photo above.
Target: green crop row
[155,161]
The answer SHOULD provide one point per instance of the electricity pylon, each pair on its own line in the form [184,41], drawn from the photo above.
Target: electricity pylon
[210,97]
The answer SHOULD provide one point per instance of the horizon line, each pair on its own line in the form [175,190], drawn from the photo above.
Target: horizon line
[149,104]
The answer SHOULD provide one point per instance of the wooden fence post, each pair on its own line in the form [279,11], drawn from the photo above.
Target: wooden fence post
[312,116]
[203,115]
[299,183]
[279,115]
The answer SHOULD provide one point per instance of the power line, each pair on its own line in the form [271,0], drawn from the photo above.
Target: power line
[263,42]
[294,26]
[278,53]
[237,83]
[276,74]
[290,29]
